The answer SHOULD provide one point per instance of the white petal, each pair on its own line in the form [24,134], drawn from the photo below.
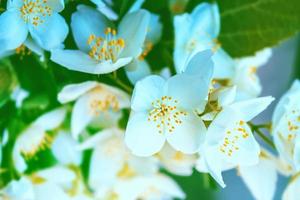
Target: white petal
[146,91]
[63,149]
[187,136]
[51,33]
[79,61]
[51,119]
[137,70]
[133,25]
[265,188]
[85,22]
[292,191]
[13,30]
[82,115]
[73,91]
[142,136]
[177,162]
[250,108]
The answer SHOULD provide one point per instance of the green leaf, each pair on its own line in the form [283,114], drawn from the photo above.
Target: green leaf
[250,25]
[7,81]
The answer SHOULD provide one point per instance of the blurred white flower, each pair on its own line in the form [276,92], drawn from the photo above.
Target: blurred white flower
[245,77]
[95,102]
[55,183]
[286,127]
[111,160]
[35,138]
[177,162]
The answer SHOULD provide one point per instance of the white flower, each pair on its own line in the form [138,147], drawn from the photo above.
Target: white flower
[229,140]
[167,110]
[197,32]
[111,160]
[245,77]
[94,102]
[35,138]
[55,183]
[286,126]
[103,49]
[177,162]
[261,188]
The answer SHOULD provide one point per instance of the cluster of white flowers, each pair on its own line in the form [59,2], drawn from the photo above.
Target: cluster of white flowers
[198,118]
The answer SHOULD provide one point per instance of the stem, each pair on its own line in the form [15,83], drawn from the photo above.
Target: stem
[265,138]
[127,88]
[256,128]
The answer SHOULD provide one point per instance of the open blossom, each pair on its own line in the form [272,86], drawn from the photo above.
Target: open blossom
[229,140]
[197,32]
[38,17]
[95,102]
[47,184]
[34,138]
[115,172]
[111,160]
[286,127]
[167,110]
[102,48]
[245,77]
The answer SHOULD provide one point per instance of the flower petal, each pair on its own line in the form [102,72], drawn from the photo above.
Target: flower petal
[189,91]
[177,162]
[292,191]
[146,91]
[50,34]
[56,5]
[133,25]
[81,115]
[142,136]
[79,61]
[63,148]
[13,30]
[136,70]
[51,119]
[206,18]
[265,190]
[73,91]
[187,136]
[86,21]
[224,64]
[201,65]
[248,109]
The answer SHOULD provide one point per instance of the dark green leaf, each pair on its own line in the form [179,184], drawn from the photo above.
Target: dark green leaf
[250,25]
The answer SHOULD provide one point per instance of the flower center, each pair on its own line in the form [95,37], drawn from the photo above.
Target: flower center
[233,136]
[34,11]
[165,114]
[105,49]
[102,105]
[40,144]
[290,125]
[148,46]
